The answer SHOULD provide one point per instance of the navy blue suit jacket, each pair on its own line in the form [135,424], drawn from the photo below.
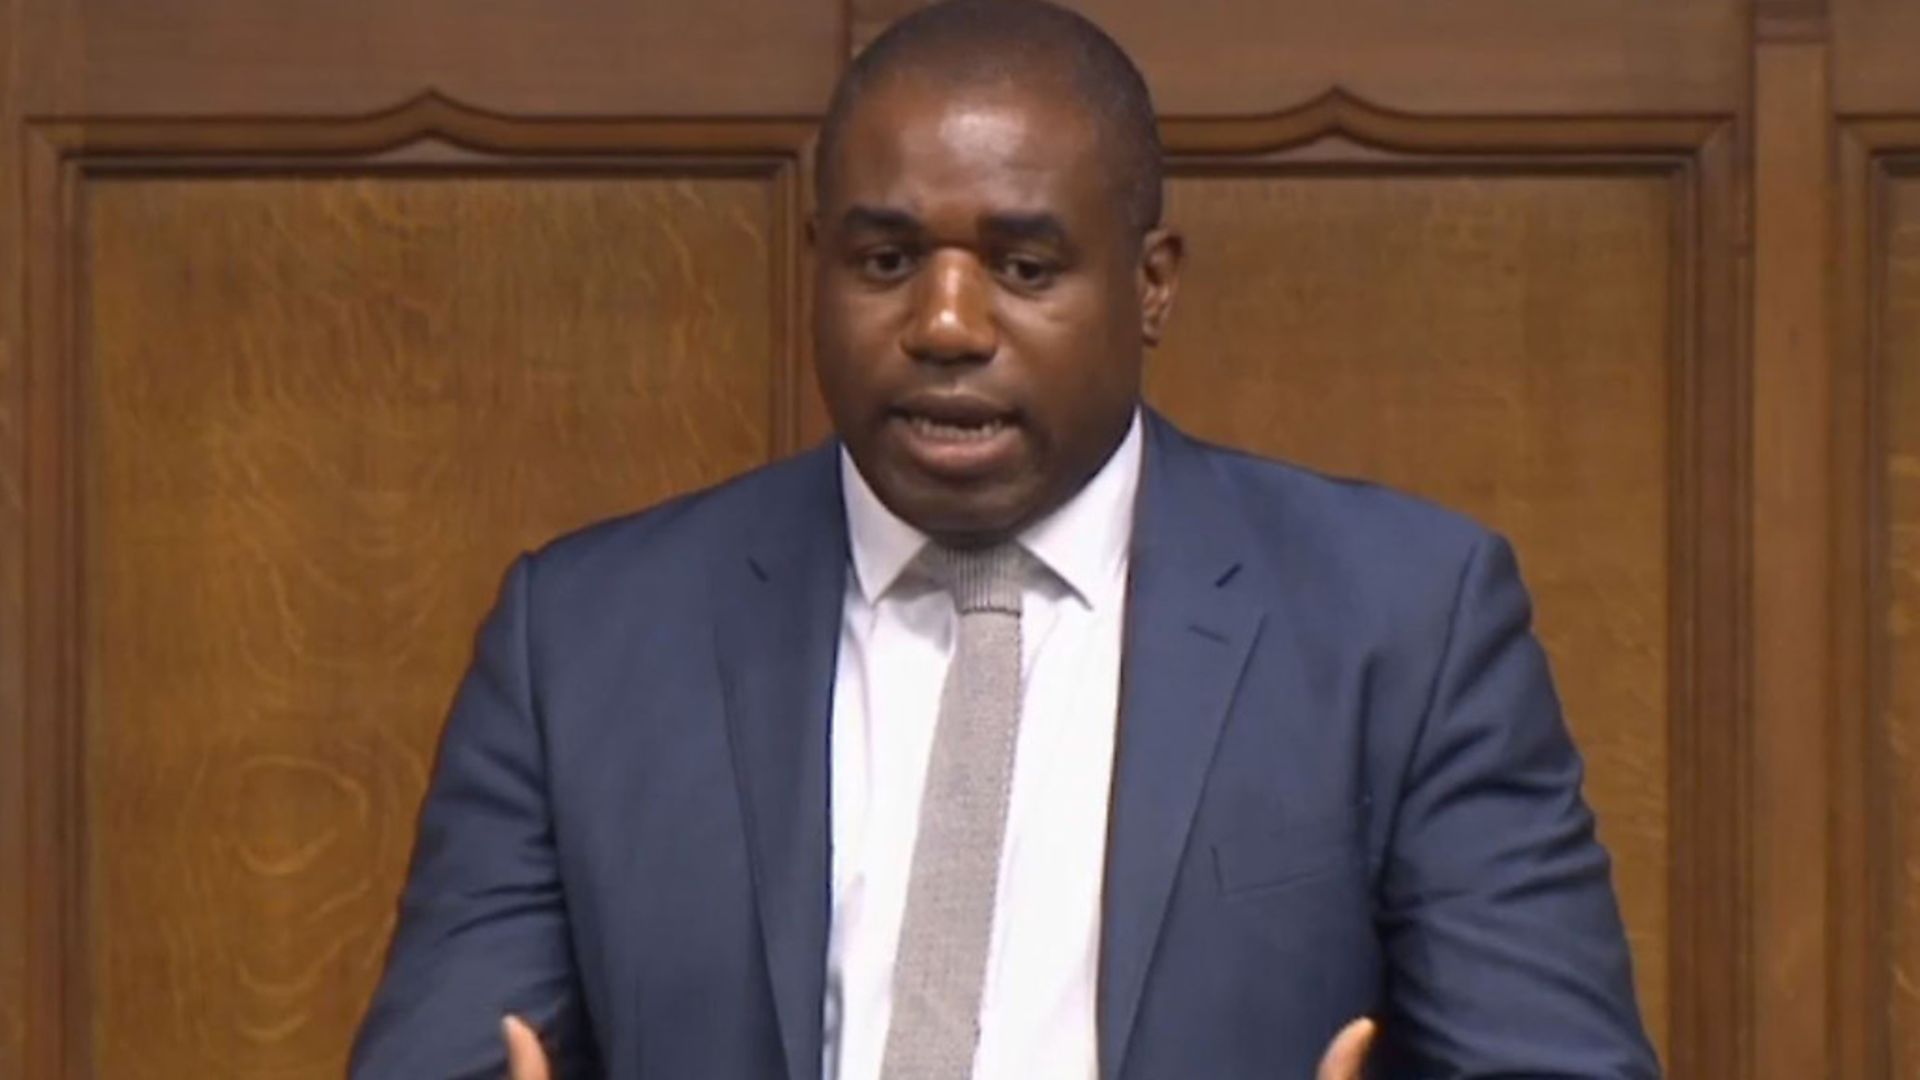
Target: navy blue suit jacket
[1342,787]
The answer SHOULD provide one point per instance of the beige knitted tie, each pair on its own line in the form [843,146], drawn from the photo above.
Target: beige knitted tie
[941,961]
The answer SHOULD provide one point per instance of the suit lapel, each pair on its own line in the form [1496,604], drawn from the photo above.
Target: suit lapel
[778,601]
[1189,632]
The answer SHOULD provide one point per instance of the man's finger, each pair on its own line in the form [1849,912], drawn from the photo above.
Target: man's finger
[525,1059]
[1347,1053]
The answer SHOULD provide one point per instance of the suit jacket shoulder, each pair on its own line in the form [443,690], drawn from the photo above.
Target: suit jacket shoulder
[664,540]
[1392,563]
[1391,819]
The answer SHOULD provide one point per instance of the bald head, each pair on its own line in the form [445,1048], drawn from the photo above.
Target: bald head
[973,45]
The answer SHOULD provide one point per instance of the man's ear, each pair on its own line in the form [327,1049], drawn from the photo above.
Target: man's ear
[1162,251]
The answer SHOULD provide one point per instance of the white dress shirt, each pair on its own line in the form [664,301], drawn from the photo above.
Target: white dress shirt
[896,638]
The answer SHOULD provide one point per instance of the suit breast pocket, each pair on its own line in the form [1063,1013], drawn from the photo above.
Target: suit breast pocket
[1293,854]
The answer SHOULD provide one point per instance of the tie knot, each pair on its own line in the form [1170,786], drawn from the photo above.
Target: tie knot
[980,579]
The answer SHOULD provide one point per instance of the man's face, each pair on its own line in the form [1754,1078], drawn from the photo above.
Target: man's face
[981,302]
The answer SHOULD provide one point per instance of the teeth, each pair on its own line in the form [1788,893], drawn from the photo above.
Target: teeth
[942,429]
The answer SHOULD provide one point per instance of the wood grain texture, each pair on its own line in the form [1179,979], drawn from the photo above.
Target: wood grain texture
[1713,937]
[41,47]
[598,57]
[1899,614]
[1500,344]
[14,832]
[257,502]
[1863,861]
[319,415]
[1792,463]
[1789,21]
[1874,43]
[1242,57]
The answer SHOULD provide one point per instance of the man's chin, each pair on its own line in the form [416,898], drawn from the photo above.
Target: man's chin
[964,517]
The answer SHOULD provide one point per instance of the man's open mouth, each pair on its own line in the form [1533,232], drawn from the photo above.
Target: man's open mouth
[959,436]
[955,430]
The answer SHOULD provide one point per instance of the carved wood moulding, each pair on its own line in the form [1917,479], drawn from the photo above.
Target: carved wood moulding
[1871,875]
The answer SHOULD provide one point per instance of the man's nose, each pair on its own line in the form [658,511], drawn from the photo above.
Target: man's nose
[952,317]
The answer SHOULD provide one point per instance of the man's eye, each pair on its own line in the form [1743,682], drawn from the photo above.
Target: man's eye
[1027,272]
[886,264]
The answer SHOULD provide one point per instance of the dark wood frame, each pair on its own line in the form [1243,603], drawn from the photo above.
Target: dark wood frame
[1872,151]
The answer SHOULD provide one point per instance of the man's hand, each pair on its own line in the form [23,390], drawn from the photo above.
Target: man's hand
[526,1061]
[1345,1054]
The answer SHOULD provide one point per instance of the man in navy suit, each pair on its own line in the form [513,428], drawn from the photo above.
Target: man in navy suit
[1288,754]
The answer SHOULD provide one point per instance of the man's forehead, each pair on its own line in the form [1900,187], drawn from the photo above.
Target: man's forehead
[998,134]
[918,104]
[974,126]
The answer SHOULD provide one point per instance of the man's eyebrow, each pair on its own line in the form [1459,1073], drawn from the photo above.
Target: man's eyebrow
[878,219]
[1040,227]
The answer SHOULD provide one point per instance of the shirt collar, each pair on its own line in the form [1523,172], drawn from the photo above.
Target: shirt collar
[1084,542]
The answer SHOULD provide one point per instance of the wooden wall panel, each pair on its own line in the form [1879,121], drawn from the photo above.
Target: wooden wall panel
[1501,344]
[319,415]
[1521,310]
[1874,43]
[583,57]
[1504,57]
[1898,613]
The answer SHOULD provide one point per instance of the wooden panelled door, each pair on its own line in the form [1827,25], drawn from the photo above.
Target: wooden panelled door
[313,315]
